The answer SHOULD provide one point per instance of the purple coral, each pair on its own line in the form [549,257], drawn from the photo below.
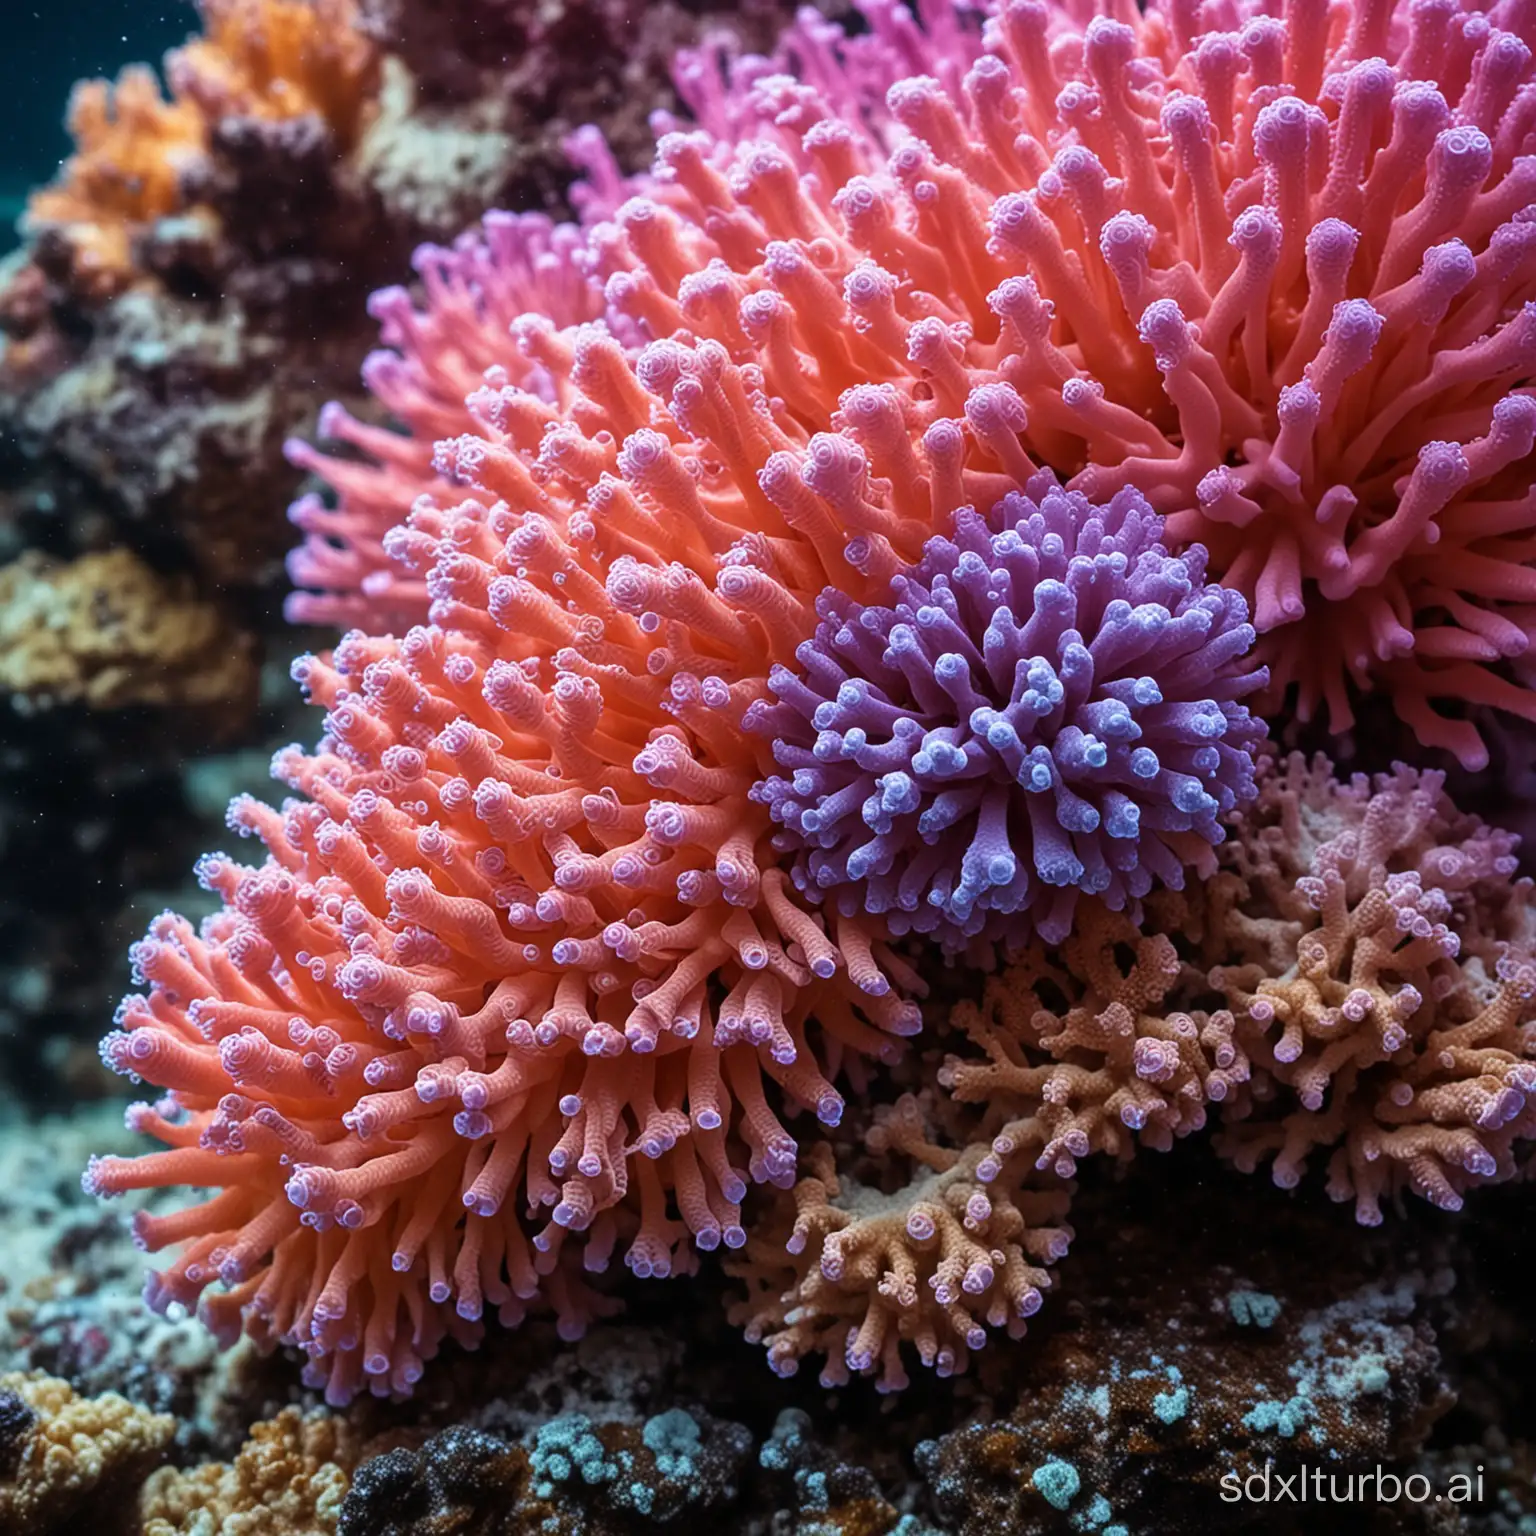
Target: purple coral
[1051,706]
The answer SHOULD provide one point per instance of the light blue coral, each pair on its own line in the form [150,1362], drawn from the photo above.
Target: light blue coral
[1051,706]
[1057,1482]
[1253,1309]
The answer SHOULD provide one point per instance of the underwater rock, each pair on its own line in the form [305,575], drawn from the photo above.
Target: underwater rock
[1195,1348]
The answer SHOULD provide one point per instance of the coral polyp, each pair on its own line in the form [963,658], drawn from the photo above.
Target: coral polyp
[1280,284]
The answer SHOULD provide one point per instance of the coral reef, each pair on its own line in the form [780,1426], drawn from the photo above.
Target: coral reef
[1357,977]
[792,785]
[503,86]
[1396,1020]
[69,1289]
[1154,1272]
[1136,1401]
[162,341]
[272,62]
[571,1474]
[66,1459]
[529,943]
[1049,680]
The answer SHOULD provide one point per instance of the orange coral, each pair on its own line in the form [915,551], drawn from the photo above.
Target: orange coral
[273,60]
[276,60]
[131,149]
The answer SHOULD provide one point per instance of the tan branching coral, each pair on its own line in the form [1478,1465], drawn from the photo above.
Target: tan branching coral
[861,1271]
[1085,1052]
[78,1457]
[107,632]
[289,1479]
[1401,1030]
[136,150]
[1079,1053]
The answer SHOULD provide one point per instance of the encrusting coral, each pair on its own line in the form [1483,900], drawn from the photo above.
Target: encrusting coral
[72,1459]
[291,1475]
[108,632]
[1276,273]
[526,977]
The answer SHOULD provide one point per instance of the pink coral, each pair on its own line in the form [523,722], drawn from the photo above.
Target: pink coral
[1276,271]
[523,944]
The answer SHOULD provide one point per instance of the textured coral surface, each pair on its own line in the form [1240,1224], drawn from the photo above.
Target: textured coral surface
[107,632]
[794,562]
[1356,979]
[68,1461]
[1275,272]
[290,1476]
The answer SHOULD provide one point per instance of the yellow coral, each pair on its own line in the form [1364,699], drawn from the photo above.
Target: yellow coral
[289,1479]
[79,1457]
[107,632]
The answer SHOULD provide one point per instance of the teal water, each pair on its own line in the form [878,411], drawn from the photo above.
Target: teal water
[13,202]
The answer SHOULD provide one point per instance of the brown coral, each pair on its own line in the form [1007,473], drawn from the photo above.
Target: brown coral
[926,1264]
[78,1457]
[1085,1051]
[289,1479]
[107,632]
[1080,1052]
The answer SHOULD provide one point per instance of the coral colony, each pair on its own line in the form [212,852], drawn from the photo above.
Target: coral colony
[868,551]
